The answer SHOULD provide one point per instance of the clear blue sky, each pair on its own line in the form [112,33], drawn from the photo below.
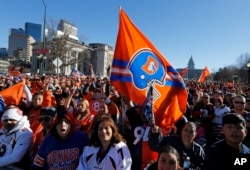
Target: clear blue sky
[214,32]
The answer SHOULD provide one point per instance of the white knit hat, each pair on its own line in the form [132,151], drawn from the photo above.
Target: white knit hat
[14,113]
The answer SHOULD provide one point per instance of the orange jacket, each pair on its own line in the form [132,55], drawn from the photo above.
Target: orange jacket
[33,115]
[37,141]
[113,108]
[84,124]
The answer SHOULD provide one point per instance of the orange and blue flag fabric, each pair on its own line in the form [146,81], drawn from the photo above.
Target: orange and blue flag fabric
[184,72]
[137,65]
[205,73]
[13,94]
[15,71]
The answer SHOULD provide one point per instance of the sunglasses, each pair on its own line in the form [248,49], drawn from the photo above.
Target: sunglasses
[9,120]
[44,119]
[238,102]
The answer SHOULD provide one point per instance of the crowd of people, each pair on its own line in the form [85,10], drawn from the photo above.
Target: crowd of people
[72,123]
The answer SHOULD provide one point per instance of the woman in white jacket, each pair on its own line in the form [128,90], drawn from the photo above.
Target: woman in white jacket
[220,110]
[15,140]
[108,149]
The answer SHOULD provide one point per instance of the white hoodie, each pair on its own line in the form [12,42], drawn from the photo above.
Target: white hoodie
[15,143]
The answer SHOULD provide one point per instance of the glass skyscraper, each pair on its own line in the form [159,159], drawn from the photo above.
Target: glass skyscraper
[34,30]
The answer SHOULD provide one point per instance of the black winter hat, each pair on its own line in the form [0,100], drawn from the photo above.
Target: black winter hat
[48,111]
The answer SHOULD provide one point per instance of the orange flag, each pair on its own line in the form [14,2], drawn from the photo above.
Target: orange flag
[205,73]
[15,71]
[13,94]
[36,85]
[137,65]
[184,72]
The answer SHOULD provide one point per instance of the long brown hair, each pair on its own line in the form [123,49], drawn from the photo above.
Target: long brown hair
[116,136]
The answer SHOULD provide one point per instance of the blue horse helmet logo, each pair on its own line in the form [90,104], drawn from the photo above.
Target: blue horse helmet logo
[145,68]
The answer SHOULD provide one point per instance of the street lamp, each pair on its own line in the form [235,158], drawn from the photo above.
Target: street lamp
[248,73]
[44,21]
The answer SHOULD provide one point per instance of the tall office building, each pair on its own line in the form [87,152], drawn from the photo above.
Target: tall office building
[3,53]
[65,27]
[16,40]
[34,30]
[20,44]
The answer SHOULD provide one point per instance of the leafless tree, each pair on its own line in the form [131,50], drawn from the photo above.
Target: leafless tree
[61,43]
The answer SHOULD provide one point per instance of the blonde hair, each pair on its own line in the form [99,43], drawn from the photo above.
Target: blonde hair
[84,102]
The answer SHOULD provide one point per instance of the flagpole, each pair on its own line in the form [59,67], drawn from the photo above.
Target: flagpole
[152,104]
[57,65]
[148,106]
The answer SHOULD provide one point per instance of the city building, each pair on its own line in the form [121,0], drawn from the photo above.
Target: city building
[3,53]
[4,67]
[21,40]
[64,27]
[192,72]
[65,47]
[20,47]
[62,45]
[16,41]
[102,57]
[34,30]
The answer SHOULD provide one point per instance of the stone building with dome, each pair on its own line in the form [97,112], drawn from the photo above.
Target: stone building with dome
[192,72]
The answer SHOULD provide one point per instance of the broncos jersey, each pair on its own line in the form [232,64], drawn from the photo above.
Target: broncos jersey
[60,154]
[138,141]
[116,158]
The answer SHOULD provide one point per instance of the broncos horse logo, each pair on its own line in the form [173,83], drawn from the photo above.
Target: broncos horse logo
[151,66]
[146,68]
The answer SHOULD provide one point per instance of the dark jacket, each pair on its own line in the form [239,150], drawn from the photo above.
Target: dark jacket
[196,153]
[222,156]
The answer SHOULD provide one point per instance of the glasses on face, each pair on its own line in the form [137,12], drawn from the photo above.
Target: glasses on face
[44,119]
[239,102]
